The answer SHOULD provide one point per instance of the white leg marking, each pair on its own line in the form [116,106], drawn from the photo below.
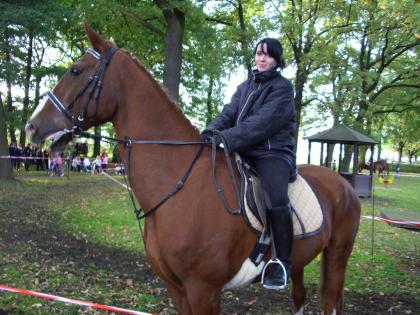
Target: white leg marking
[300,312]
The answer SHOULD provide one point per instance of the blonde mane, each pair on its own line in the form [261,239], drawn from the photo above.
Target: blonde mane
[162,90]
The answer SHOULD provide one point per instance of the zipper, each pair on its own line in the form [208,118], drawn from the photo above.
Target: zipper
[269,144]
[246,103]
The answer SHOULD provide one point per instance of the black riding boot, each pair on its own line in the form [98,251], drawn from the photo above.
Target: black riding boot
[281,226]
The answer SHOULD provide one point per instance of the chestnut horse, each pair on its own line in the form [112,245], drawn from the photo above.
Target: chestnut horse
[192,242]
[381,166]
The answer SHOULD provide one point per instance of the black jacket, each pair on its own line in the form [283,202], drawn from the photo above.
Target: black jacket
[261,118]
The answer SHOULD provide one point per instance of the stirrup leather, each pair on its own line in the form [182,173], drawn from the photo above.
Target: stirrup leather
[274,287]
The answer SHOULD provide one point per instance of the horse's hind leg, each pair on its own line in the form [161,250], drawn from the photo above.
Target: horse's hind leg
[298,290]
[334,265]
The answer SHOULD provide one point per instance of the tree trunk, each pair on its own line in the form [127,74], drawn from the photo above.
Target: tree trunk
[348,154]
[5,165]
[379,150]
[28,74]
[330,152]
[9,84]
[175,23]
[362,153]
[243,39]
[209,101]
[97,142]
[301,77]
[400,151]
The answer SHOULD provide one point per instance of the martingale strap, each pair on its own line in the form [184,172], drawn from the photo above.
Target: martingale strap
[178,186]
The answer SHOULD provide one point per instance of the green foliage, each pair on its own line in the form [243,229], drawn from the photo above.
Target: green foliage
[353,62]
[402,131]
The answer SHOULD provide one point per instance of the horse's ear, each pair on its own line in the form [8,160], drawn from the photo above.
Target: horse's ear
[97,42]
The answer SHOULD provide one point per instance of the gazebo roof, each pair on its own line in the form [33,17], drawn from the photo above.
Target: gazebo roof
[342,134]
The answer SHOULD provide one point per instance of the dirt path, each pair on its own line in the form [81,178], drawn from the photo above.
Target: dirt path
[29,223]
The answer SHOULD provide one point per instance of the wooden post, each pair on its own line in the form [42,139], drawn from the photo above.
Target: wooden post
[309,152]
[355,163]
[371,160]
[340,157]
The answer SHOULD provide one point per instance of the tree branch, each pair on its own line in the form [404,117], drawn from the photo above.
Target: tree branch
[143,23]
[395,110]
[391,86]
[407,106]
[219,21]
[407,47]
[311,100]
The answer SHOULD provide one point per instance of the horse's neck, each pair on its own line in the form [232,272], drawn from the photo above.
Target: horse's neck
[145,113]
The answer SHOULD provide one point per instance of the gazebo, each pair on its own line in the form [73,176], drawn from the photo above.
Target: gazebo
[344,135]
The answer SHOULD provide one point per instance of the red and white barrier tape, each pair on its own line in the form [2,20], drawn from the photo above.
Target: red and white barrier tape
[414,223]
[71,301]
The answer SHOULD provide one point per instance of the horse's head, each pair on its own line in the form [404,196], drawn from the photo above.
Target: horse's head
[82,98]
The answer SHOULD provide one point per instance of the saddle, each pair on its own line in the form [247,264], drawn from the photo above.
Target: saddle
[307,216]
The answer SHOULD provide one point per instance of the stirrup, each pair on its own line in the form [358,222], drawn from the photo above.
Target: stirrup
[274,287]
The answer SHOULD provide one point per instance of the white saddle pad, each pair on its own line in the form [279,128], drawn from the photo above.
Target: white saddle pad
[307,215]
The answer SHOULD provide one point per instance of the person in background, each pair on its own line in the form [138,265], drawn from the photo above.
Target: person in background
[13,153]
[27,152]
[104,160]
[86,164]
[96,165]
[58,164]
[76,163]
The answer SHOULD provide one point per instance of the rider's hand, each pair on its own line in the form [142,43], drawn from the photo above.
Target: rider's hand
[206,136]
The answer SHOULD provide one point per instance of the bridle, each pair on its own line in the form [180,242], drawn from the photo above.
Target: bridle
[94,83]
[93,88]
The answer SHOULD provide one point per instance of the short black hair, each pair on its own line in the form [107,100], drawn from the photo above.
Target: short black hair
[274,50]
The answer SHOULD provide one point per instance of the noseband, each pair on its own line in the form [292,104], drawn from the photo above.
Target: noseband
[94,83]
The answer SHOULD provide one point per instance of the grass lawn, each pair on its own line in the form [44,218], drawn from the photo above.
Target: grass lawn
[79,238]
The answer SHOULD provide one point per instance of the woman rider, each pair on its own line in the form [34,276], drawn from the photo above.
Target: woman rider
[259,124]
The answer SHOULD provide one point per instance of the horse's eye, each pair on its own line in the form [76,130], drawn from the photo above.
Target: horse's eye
[74,71]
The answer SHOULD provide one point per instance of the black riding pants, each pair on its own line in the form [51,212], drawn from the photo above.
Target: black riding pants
[274,173]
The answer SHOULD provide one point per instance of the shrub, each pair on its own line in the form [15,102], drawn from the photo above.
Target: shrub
[405,168]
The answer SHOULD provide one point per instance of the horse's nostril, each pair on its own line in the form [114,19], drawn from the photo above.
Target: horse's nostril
[30,128]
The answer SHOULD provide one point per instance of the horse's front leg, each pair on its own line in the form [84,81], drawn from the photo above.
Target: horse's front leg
[203,298]
[179,299]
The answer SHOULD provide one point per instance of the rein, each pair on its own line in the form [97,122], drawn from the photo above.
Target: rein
[95,85]
[180,183]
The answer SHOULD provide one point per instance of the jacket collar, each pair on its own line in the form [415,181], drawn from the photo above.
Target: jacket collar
[264,76]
